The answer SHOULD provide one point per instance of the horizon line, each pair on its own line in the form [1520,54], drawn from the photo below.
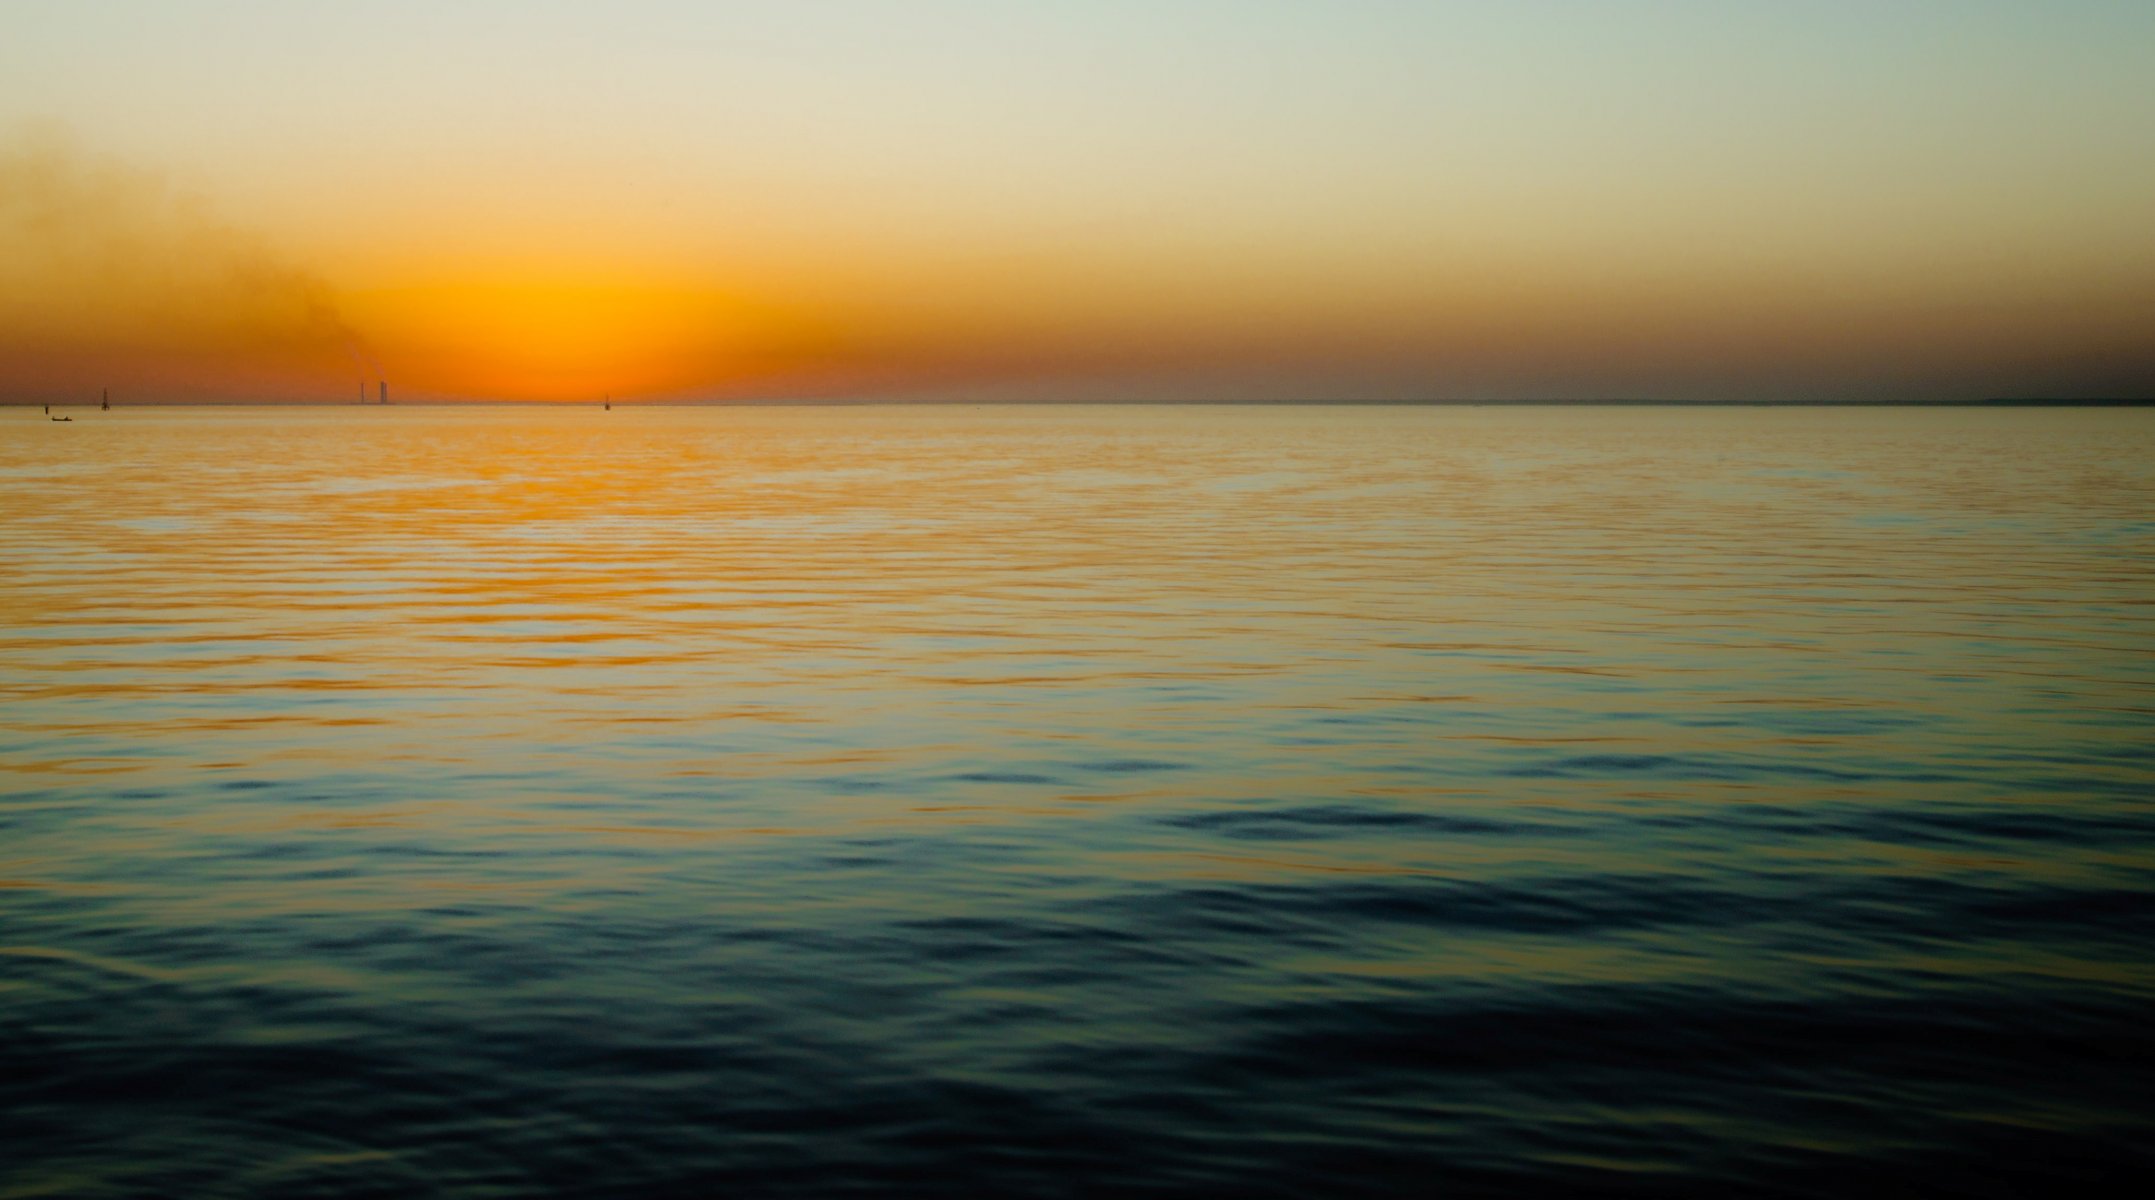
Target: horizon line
[826,401]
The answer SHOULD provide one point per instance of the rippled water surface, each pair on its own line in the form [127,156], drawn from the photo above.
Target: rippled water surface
[1151,801]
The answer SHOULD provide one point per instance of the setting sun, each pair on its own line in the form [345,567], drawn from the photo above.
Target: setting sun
[554,338]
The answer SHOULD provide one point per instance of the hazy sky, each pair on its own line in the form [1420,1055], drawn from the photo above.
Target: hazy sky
[1097,199]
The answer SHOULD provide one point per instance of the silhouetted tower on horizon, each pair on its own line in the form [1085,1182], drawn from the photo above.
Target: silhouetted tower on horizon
[104,400]
[384,386]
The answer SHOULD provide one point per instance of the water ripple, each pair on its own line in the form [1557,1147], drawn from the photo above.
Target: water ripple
[975,801]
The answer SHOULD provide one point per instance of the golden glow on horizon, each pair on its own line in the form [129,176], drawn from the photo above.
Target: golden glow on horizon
[558,338]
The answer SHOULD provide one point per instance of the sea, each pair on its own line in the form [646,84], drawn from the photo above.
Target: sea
[1149,801]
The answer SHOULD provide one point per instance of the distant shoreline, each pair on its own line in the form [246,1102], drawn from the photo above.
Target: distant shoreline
[829,402]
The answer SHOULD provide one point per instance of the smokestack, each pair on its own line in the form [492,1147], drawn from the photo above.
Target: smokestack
[384,385]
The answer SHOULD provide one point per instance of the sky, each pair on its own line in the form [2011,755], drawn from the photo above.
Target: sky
[1078,199]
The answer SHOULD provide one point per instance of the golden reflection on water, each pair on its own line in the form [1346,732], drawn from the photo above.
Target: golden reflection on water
[893,619]
[318,588]
[964,615]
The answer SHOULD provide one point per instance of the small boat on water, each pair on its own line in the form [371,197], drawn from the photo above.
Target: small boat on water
[63,418]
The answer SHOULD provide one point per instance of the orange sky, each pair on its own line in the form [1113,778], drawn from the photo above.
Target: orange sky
[1184,200]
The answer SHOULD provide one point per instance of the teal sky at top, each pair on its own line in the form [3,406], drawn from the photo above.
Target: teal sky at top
[971,104]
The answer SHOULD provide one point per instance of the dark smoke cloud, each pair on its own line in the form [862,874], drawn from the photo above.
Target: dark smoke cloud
[103,261]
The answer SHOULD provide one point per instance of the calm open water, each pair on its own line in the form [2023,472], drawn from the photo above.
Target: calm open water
[1074,801]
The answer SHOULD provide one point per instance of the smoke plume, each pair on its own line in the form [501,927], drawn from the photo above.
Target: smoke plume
[108,271]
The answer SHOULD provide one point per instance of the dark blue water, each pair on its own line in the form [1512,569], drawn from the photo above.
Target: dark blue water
[1072,802]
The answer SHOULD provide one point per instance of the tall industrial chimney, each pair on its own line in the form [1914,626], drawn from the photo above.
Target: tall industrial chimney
[384,385]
